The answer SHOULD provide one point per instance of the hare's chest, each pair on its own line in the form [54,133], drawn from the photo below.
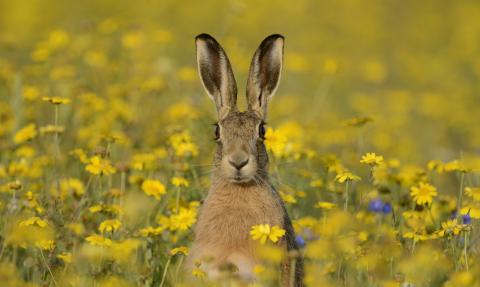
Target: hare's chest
[228,216]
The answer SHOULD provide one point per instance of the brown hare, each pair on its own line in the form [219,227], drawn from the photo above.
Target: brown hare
[241,195]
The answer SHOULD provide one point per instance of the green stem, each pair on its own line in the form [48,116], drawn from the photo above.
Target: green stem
[177,201]
[460,196]
[48,268]
[345,205]
[465,255]
[178,270]
[165,271]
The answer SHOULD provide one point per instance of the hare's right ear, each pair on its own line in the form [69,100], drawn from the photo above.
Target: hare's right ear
[216,74]
[265,72]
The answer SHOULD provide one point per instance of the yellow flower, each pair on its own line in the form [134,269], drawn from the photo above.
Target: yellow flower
[51,129]
[26,133]
[98,240]
[15,185]
[132,40]
[180,249]
[473,192]
[325,205]
[258,269]
[184,219]
[56,100]
[30,93]
[330,66]
[112,208]
[435,165]
[109,225]
[275,141]
[471,210]
[144,161]
[316,183]
[461,279]
[451,227]
[183,145]
[65,257]
[288,198]
[153,188]
[76,228]
[263,232]
[344,176]
[182,111]
[80,155]
[72,185]
[100,166]
[48,245]
[371,158]
[25,151]
[150,231]
[199,273]
[456,165]
[423,193]
[415,236]
[33,221]
[180,181]
[358,122]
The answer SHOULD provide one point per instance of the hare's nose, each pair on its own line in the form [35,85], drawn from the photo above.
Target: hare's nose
[238,164]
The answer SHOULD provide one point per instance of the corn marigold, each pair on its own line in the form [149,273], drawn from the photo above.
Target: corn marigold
[26,133]
[262,232]
[325,205]
[423,193]
[371,159]
[56,100]
[344,176]
[179,250]
[153,188]
[110,225]
[185,218]
[180,181]
[100,166]
[33,221]
[98,240]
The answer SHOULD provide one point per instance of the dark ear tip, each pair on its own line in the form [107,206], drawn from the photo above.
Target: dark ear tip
[274,37]
[267,42]
[205,37]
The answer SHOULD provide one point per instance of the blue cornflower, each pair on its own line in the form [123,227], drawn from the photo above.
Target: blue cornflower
[387,208]
[376,205]
[300,241]
[467,219]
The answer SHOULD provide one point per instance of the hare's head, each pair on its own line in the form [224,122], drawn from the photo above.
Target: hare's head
[241,155]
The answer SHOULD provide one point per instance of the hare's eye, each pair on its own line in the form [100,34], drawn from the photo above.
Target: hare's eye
[261,131]
[217,132]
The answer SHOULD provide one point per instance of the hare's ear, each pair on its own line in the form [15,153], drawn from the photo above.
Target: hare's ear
[264,76]
[216,74]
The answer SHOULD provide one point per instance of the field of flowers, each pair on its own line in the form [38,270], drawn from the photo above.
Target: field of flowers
[106,139]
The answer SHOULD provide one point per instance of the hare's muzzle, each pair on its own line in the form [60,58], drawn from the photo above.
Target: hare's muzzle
[238,160]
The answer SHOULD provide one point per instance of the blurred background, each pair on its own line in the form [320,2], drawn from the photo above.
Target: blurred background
[411,67]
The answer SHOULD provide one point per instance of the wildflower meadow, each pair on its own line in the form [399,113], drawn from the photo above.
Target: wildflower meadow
[107,140]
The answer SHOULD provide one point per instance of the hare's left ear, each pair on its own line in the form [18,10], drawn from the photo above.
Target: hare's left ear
[216,74]
[264,76]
